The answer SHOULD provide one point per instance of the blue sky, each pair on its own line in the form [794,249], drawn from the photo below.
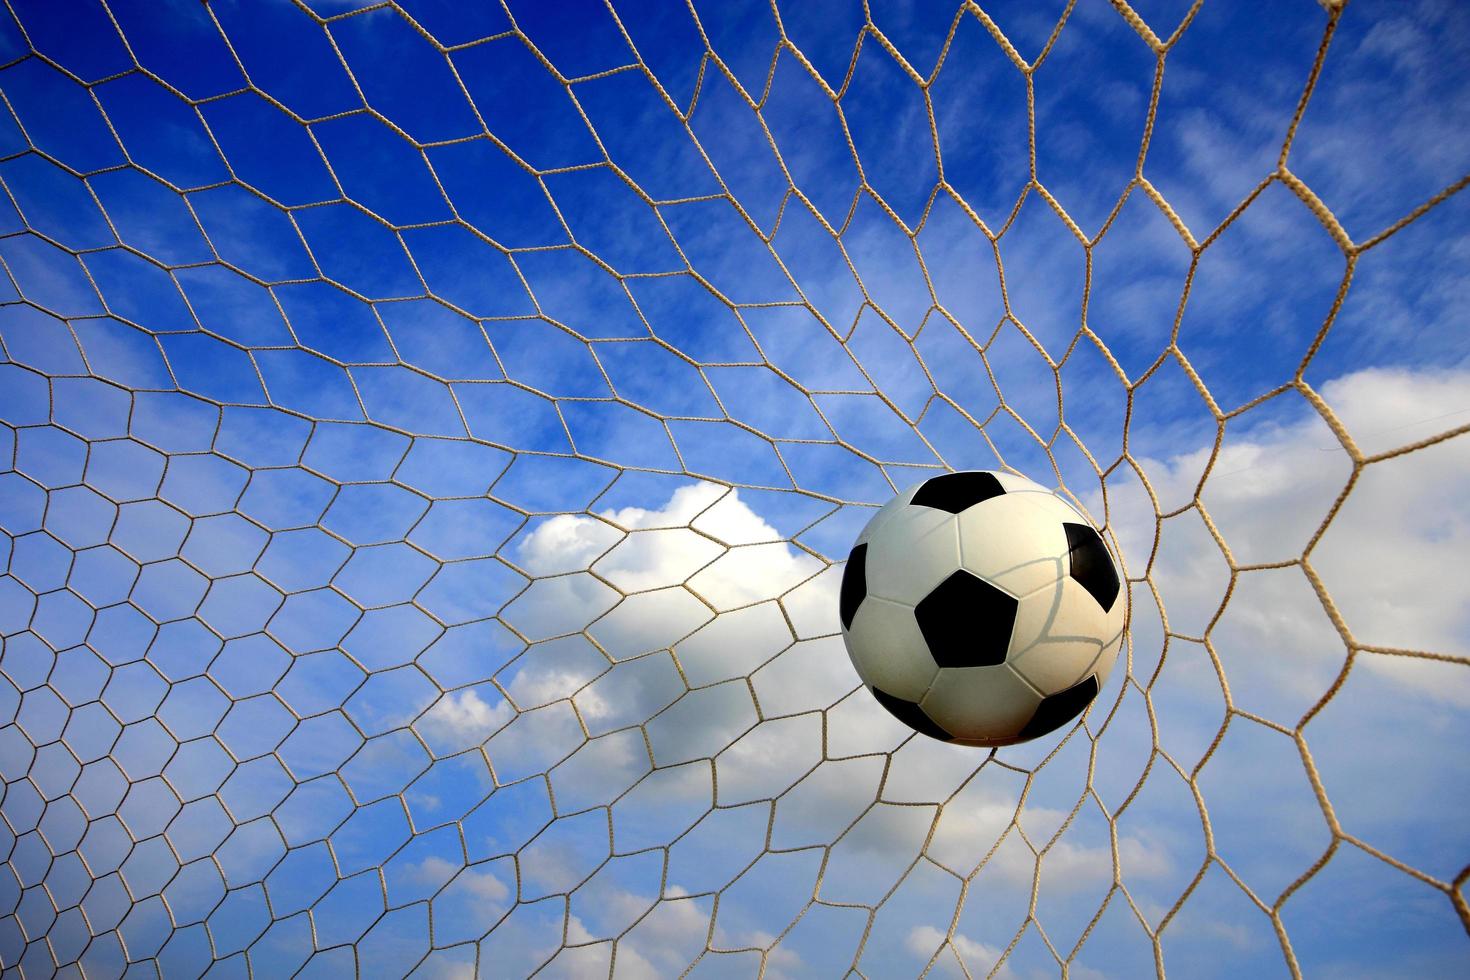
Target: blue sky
[431,433]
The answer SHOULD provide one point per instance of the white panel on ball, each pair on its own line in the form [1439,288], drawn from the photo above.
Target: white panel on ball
[889,651]
[886,512]
[1114,633]
[1108,659]
[1013,543]
[1060,634]
[1061,509]
[1014,483]
[914,550]
[981,704]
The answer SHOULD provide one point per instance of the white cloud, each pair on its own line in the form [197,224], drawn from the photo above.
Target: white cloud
[750,558]
[685,505]
[577,931]
[565,543]
[484,885]
[768,759]
[971,826]
[663,942]
[1389,558]
[432,870]
[753,564]
[633,965]
[781,963]
[462,719]
[655,559]
[1389,407]
[979,958]
[537,686]
[435,871]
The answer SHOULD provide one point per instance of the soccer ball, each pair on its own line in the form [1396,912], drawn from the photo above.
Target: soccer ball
[981,608]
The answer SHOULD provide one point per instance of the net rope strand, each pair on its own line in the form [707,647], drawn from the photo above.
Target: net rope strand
[43,951]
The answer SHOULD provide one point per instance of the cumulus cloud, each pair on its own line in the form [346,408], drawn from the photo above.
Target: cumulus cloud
[978,957]
[1388,559]
[1388,563]
[663,942]
[539,686]
[484,885]
[434,871]
[736,559]
[565,543]
[705,536]
[461,719]
[973,823]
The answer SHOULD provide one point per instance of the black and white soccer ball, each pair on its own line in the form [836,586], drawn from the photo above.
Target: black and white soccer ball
[982,608]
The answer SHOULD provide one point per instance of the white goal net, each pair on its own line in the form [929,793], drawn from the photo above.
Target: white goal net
[431,433]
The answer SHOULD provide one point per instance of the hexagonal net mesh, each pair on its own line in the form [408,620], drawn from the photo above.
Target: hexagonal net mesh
[433,432]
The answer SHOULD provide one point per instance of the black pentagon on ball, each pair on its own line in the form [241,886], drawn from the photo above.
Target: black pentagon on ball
[955,492]
[911,715]
[854,585]
[1060,708]
[966,622]
[1091,565]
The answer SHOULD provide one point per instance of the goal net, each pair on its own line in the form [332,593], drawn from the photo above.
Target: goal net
[432,434]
